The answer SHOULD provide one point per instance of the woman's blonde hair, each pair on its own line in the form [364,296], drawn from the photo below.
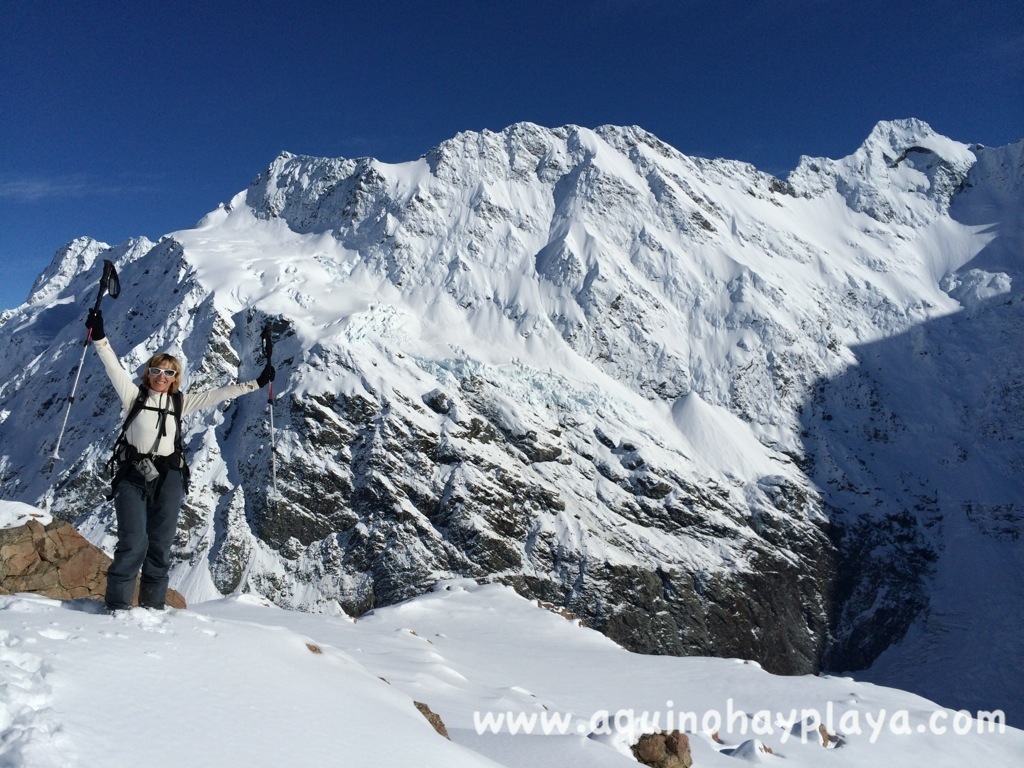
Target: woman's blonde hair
[163,361]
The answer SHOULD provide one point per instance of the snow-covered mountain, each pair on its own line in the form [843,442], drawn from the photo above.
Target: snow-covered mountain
[709,411]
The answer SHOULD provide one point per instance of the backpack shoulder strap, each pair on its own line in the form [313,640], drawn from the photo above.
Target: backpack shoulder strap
[121,442]
[177,399]
[136,409]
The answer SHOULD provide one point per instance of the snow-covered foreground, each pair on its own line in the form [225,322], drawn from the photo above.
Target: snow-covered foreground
[238,681]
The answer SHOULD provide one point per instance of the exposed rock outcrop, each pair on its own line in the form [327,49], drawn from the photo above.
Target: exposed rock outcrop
[56,561]
[433,718]
[669,749]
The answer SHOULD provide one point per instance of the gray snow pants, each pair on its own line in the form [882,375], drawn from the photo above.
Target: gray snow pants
[147,518]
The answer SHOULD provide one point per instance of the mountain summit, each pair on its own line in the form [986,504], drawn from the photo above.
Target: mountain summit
[708,410]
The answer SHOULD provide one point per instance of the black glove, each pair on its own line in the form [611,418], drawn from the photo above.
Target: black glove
[94,322]
[266,376]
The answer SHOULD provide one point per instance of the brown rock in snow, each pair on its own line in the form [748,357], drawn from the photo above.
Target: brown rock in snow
[56,561]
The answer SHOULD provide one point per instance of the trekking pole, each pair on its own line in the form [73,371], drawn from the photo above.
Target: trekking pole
[108,284]
[268,350]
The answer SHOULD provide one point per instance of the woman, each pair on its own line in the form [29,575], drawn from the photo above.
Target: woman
[149,485]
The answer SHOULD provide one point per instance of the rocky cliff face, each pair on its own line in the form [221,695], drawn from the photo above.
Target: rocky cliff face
[621,379]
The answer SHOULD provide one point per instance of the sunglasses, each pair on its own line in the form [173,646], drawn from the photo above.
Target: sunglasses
[169,372]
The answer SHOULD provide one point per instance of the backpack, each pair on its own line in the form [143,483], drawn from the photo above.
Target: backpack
[124,452]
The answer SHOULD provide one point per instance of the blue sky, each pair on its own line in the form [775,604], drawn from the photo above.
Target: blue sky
[122,119]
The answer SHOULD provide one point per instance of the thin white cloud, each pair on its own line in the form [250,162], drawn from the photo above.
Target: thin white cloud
[29,189]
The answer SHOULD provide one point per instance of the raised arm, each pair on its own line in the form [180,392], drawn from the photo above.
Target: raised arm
[199,400]
[125,387]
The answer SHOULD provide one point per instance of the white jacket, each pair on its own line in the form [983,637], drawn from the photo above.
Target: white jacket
[143,430]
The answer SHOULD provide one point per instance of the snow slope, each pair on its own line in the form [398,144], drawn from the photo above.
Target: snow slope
[238,681]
